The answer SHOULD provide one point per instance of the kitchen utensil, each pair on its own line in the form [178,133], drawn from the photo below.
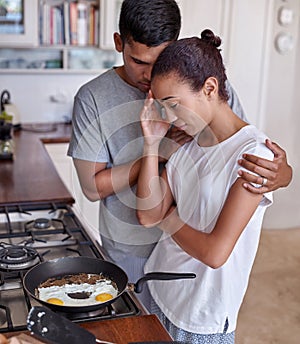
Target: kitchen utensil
[58,268]
[55,329]
[10,109]
[6,142]
[5,99]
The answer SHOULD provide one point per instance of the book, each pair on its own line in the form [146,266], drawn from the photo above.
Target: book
[46,24]
[73,23]
[91,25]
[66,22]
[82,24]
[96,31]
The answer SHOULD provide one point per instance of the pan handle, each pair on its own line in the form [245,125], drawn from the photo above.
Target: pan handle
[138,287]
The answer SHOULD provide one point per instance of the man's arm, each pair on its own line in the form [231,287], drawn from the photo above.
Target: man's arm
[98,182]
[273,174]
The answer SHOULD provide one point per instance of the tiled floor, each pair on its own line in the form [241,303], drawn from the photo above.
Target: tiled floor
[270,313]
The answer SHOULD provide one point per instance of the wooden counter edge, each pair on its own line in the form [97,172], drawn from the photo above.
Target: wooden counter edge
[123,330]
[129,329]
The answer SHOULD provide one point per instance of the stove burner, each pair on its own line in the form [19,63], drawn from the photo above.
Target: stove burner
[41,223]
[85,315]
[16,257]
[44,224]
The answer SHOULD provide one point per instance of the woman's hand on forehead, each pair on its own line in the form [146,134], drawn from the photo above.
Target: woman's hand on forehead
[154,127]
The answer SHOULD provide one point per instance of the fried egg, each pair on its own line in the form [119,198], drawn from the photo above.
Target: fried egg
[74,294]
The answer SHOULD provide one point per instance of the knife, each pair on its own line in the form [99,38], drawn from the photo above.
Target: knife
[56,329]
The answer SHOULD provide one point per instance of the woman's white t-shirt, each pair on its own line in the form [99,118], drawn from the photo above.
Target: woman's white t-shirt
[200,179]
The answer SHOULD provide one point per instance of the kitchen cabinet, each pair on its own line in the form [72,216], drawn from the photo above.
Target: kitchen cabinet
[18,23]
[87,211]
[61,36]
[198,15]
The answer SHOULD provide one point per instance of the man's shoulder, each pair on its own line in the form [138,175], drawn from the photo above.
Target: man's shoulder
[109,87]
[101,83]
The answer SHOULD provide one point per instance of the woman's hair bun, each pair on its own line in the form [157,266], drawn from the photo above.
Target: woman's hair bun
[209,37]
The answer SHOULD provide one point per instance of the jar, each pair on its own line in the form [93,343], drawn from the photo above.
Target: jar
[6,141]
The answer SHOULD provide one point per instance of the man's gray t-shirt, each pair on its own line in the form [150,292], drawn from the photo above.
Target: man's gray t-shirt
[106,129]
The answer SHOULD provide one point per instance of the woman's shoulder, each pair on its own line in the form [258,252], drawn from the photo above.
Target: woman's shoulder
[254,142]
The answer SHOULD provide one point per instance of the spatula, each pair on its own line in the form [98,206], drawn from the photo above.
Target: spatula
[56,329]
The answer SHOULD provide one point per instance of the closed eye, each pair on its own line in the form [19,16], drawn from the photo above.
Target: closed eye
[138,61]
[173,105]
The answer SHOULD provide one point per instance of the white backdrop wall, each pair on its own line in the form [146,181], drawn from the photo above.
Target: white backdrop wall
[43,97]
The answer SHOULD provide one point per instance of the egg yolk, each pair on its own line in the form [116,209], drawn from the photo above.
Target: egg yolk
[55,301]
[103,297]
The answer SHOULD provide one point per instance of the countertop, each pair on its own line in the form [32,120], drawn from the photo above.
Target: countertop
[137,329]
[129,330]
[31,175]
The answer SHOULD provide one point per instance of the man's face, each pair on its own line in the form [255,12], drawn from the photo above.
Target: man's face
[138,63]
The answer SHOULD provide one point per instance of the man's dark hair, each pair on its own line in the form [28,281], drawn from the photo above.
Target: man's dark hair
[149,22]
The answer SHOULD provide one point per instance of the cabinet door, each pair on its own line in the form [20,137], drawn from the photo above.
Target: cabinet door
[62,163]
[198,15]
[88,212]
[19,23]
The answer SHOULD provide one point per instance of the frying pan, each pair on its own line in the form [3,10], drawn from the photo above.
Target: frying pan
[74,265]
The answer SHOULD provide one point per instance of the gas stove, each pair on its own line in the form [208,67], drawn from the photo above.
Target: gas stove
[34,233]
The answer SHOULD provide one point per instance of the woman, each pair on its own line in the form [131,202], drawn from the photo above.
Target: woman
[214,229]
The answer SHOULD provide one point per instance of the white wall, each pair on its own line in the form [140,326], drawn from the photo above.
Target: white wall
[280,112]
[33,94]
[246,53]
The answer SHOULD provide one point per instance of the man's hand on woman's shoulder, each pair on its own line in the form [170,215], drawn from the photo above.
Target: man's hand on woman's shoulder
[272,175]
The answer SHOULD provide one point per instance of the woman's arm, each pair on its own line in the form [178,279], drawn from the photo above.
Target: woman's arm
[153,193]
[214,248]
[154,196]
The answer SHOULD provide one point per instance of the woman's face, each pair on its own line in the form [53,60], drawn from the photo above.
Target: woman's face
[186,109]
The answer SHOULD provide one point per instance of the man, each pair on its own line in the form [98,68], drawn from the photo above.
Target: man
[107,142]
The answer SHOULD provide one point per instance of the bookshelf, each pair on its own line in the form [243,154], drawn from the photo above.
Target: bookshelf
[70,23]
[61,36]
